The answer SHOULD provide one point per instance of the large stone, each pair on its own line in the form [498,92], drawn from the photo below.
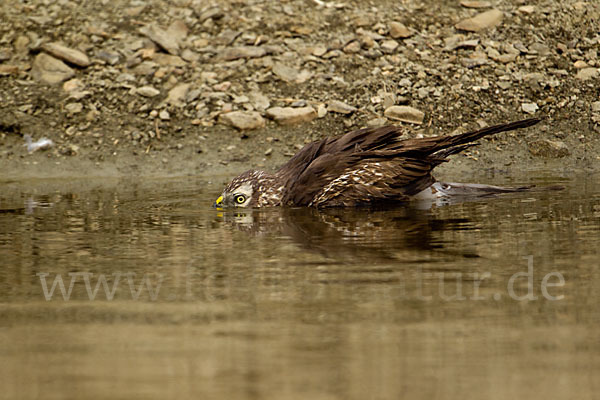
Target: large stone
[178,94]
[475,4]
[405,114]
[235,53]
[389,46]
[147,91]
[289,115]
[529,108]
[69,55]
[399,31]
[481,21]
[6,69]
[259,101]
[340,107]
[548,148]
[290,74]
[165,39]
[587,73]
[48,69]
[243,120]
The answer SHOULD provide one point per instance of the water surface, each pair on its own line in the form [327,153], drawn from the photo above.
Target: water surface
[164,296]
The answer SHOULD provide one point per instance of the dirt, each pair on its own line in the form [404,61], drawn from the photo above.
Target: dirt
[104,127]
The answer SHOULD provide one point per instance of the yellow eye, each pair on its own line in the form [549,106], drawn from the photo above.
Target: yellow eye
[240,199]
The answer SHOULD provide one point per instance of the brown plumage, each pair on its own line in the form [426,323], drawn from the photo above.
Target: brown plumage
[364,167]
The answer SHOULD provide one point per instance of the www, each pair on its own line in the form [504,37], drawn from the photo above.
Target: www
[109,292]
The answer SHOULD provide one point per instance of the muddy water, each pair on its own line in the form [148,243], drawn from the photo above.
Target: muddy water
[141,290]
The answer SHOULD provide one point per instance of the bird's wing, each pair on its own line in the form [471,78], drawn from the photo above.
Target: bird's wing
[375,181]
[361,140]
[354,180]
[318,163]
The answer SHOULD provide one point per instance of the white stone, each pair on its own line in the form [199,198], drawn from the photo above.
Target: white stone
[529,108]
[340,107]
[481,21]
[243,120]
[289,115]
[147,91]
[405,114]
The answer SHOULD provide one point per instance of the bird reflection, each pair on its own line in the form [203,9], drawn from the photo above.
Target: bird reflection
[354,234]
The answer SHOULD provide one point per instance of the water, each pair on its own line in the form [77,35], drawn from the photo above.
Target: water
[496,298]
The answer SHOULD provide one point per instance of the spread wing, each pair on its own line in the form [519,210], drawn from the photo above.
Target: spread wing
[372,165]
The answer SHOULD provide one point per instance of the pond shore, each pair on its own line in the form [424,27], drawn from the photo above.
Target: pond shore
[175,88]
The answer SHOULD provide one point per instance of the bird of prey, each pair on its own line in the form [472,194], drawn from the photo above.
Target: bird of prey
[366,167]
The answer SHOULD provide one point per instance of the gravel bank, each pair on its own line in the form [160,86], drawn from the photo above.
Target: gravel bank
[158,88]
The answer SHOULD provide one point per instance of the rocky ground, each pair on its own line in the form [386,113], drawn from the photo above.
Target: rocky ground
[178,87]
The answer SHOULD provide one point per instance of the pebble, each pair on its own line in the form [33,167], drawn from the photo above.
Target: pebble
[529,108]
[596,106]
[235,53]
[74,108]
[352,47]
[405,114]
[527,9]
[481,21]
[399,31]
[289,115]
[243,120]
[475,4]
[50,70]
[5,55]
[290,74]
[587,73]
[64,53]
[377,122]
[388,100]
[108,57]
[319,51]
[340,107]
[164,115]
[165,39]
[321,111]
[389,46]
[147,91]
[548,148]
[178,94]
[6,69]
[177,31]
[259,101]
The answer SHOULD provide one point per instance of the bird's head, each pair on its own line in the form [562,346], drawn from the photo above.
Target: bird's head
[239,192]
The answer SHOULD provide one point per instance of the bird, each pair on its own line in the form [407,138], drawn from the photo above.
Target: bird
[365,167]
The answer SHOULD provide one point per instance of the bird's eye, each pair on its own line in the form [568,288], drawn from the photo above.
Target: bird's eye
[240,199]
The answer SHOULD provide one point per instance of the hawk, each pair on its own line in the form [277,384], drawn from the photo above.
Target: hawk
[366,167]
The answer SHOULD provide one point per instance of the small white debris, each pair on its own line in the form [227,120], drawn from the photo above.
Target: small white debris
[41,144]
[529,108]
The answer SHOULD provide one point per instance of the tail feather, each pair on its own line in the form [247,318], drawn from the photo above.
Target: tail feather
[436,144]
[490,130]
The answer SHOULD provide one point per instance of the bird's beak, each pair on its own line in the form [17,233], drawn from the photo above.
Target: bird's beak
[218,202]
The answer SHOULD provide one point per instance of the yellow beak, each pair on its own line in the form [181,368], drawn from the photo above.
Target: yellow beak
[218,202]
